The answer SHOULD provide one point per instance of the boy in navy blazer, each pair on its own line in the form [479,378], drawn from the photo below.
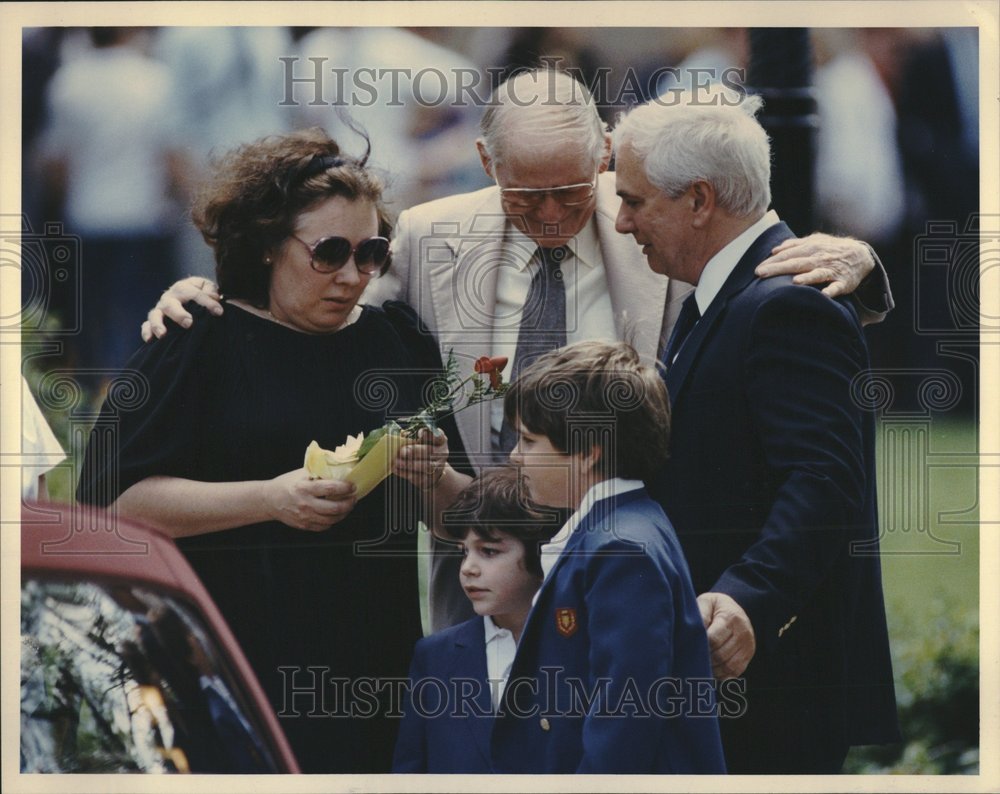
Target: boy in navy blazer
[612,672]
[457,675]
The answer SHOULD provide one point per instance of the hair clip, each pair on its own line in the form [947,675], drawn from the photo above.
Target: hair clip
[321,163]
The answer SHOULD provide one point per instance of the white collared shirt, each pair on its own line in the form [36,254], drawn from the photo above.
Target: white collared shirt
[721,265]
[589,314]
[500,649]
[549,552]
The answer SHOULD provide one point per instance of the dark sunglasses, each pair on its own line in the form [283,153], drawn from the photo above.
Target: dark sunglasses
[331,253]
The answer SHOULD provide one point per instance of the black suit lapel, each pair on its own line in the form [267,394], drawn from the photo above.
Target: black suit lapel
[739,279]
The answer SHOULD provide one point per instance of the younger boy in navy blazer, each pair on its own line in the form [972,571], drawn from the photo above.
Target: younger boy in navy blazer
[612,672]
[457,675]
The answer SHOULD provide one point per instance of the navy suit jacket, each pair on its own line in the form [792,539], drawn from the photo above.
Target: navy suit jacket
[612,671]
[771,487]
[448,712]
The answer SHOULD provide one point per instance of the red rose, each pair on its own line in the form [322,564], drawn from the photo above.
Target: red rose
[486,364]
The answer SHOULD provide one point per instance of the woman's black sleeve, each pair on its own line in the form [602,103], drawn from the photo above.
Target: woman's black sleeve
[150,421]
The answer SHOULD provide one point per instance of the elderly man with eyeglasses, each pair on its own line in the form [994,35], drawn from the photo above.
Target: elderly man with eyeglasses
[535,263]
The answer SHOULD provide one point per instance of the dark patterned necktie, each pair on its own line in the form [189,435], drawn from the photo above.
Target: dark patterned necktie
[686,322]
[543,321]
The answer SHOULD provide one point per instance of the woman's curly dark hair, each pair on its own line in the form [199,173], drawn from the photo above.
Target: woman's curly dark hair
[255,192]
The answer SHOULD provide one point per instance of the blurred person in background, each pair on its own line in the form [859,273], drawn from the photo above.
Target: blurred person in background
[227,84]
[563,48]
[898,149]
[40,60]
[110,159]
[712,54]
[418,123]
[859,170]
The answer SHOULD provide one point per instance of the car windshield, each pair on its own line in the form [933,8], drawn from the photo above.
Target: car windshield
[115,678]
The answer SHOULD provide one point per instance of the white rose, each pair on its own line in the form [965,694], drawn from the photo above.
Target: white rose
[325,464]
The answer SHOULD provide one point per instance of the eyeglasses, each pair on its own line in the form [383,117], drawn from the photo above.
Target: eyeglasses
[330,254]
[566,195]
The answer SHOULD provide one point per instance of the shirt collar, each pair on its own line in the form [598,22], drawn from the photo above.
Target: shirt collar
[492,629]
[724,262]
[584,246]
[605,489]
[549,552]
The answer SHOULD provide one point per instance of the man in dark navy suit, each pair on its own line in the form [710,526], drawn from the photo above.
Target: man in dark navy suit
[771,480]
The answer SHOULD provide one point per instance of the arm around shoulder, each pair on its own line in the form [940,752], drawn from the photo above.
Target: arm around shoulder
[170,306]
[840,265]
[873,298]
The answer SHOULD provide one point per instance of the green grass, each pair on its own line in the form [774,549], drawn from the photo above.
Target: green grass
[934,565]
[929,514]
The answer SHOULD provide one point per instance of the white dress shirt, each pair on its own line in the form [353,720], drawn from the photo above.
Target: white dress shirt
[589,314]
[500,649]
[110,119]
[721,265]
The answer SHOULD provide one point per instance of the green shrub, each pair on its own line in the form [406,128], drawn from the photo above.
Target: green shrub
[937,687]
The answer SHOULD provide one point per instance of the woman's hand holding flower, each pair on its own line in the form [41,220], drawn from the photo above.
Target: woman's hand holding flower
[313,505]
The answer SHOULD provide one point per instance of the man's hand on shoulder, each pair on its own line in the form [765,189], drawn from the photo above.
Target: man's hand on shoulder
[841,263]
[730,636]
[171,304]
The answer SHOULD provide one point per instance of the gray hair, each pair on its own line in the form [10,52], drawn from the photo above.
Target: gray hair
[544,101]
[718,142]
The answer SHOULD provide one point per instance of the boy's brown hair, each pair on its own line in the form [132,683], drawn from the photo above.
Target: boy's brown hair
[497,502]
[596,394]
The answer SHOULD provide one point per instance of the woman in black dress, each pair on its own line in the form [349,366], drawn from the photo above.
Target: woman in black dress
[319,588]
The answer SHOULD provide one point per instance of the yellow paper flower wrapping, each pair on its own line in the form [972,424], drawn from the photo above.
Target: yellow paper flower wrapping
[342,463]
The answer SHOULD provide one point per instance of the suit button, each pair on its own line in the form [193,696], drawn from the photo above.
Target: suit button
[544,723]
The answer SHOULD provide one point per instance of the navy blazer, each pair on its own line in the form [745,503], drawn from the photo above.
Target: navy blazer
[771,487]
[448,711]
[612,672]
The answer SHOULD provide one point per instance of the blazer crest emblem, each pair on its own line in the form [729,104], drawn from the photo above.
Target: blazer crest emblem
[566,621]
